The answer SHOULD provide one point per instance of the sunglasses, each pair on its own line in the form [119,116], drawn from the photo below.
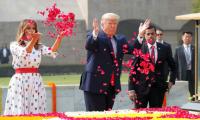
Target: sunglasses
[150,34]
[159,34]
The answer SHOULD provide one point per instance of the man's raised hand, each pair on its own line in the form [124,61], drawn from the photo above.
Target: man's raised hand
[143,27]
[95,26]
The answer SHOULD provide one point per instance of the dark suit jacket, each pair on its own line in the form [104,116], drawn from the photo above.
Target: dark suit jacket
[166,72]
[141,85]
[181,63]
[100,66]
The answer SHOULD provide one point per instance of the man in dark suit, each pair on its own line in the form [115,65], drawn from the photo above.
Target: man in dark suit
[159,38]
[150,88]
[184,58]
[100,81]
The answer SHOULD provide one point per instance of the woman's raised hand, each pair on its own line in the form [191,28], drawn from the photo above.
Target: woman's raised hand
[35,36]
[61,35]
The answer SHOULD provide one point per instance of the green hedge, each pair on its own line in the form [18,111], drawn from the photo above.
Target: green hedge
[7,70]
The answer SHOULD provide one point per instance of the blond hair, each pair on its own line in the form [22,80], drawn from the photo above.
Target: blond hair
[110,16]
[21,31]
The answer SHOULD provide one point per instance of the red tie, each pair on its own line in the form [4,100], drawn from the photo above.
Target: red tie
[152,54]
[112,80]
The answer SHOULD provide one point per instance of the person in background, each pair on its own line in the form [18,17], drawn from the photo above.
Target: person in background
[184,58]
[4,54]
[159,38]
[26,92]
[100,81]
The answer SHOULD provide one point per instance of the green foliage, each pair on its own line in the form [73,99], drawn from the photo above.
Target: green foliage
[60,79]
[195,6]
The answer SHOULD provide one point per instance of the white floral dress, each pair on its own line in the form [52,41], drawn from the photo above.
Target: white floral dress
[26,92]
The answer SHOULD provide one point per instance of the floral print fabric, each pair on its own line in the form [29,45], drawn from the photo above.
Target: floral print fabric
[26,92]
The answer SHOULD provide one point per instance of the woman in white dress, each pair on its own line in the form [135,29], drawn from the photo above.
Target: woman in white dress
[26,92]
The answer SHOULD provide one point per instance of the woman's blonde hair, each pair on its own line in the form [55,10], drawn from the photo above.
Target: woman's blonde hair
[21,31]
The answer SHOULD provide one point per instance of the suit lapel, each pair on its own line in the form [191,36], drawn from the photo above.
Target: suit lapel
[103,37]
[159,52]
[118,46]
[110,45]
[192,53]
[145,48]
[106,40]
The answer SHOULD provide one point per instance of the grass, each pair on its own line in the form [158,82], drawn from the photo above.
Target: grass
[60,79]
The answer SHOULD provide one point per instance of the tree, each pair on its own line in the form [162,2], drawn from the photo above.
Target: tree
[195,6]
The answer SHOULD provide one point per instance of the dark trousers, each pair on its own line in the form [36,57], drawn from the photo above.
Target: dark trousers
[154,98]
[99,102]
[191,83]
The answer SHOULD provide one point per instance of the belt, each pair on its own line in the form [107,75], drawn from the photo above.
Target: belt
[26,70]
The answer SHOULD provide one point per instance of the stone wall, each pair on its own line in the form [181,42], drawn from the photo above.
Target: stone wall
[71,51]
[162,12]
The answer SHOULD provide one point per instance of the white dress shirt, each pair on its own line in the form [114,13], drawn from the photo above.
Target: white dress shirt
[114,45]
[160,41]
[187,51]
[4,52]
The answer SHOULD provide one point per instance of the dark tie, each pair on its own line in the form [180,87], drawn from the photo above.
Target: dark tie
[188,54]
[152,54]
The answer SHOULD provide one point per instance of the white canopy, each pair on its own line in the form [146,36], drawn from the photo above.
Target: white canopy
[192,16]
